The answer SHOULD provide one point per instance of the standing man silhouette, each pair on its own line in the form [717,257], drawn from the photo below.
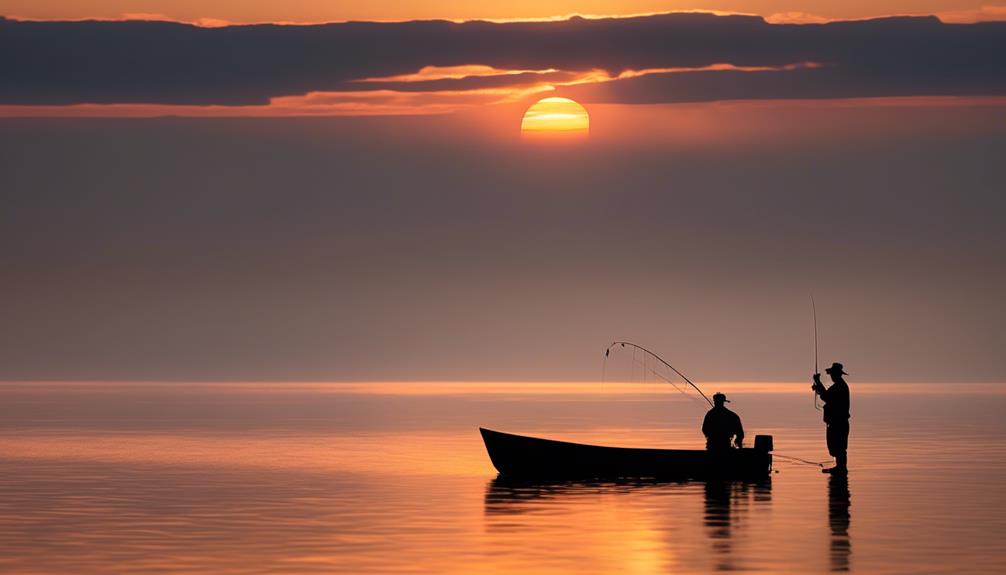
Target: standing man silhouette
[836,416]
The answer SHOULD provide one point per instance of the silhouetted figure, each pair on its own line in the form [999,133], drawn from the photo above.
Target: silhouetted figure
[839,501]
[836,415]
[720,425]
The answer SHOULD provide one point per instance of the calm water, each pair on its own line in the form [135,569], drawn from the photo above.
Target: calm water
[393,478]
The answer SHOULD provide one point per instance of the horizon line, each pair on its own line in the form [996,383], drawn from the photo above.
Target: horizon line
[447,381]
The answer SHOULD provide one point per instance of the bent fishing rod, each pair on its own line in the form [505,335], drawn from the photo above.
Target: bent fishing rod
[607,352]
[813,307]
[635,346]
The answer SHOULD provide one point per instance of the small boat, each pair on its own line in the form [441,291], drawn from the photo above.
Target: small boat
[517,456]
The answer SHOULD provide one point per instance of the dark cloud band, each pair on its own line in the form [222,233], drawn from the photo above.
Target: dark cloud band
[62,63]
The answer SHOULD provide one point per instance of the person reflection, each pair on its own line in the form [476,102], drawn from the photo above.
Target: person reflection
[727,504]
[839,501]
[717,522]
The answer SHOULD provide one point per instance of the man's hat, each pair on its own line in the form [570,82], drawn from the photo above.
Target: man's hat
[837,367]
[718,395]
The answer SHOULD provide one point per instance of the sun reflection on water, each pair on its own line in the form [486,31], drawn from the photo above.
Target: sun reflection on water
[255,478]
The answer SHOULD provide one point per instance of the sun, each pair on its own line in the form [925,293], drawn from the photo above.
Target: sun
[551,117]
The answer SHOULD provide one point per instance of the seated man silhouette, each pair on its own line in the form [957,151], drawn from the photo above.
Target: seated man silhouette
[720,425]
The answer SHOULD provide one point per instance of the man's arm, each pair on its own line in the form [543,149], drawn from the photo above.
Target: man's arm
[819,388]
[739,433]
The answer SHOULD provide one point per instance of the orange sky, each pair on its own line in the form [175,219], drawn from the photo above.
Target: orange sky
[408,93]
[219,11]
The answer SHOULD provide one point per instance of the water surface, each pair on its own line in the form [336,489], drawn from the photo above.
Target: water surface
[393,478]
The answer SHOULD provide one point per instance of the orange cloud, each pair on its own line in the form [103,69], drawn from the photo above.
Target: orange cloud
[430,73]
[302,13]
[135,17]
[987,13]
[386,102]
[980,14]
[362,103]
[379,103]
[795,18]
[200,22]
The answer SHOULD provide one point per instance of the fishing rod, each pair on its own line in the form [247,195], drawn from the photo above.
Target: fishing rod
[635,346]
[813,307]
[658,375]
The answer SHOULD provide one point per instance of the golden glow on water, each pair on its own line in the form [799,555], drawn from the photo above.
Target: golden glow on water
[443,453]
[393,478]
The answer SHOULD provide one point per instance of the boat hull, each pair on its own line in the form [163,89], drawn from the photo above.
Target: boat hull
[517,456]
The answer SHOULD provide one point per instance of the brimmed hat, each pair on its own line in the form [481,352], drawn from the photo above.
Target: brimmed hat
[718,395]
[836,367]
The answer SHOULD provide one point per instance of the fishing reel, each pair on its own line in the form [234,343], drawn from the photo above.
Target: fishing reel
[817,387]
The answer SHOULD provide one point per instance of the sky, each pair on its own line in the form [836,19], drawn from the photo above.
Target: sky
[216,12]
[356,202]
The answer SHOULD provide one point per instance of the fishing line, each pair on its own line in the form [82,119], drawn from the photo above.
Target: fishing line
[654,372]
[676,386]
[659,359]
[632,373]
[798,460]
[644,368]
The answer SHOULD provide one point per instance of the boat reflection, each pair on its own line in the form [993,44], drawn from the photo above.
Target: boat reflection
[839,501]
[696,525]
[516,496]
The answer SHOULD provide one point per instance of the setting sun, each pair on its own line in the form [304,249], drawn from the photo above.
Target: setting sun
[555,116]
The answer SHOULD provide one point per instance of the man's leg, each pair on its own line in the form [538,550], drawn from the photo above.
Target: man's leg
[842,446]
[842,461]
[837,437]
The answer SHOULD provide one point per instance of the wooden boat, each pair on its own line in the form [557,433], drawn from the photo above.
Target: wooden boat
[517,456]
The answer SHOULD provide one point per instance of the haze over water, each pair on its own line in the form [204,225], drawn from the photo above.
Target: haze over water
[346,478]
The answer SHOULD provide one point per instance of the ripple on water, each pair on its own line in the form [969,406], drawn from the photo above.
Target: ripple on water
[89,493]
